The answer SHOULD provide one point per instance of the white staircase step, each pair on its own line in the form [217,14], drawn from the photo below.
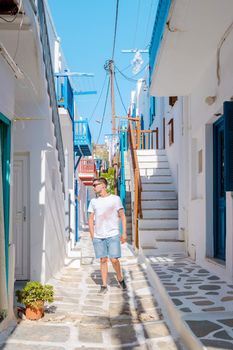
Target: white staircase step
[158,187]
[153,165]
[170,245]
[156,195]
[158,179]
[152,158]
[150,152]
[163,247]
[155,171]
[156,224]
[160,204]
[160,214]
[148,238]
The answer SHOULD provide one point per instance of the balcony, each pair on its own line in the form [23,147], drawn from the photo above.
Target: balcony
[82,138]
[87,171]
[65,95]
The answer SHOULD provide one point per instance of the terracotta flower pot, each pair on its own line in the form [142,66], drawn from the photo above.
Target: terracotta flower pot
[35,311]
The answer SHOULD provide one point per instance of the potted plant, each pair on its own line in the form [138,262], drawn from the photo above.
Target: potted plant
[33,296]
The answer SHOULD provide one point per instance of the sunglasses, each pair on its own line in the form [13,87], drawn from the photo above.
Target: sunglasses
[96,184]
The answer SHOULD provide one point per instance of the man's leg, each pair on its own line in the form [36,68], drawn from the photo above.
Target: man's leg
[104,270]
[117,267]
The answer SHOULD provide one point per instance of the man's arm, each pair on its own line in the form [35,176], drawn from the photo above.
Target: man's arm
[91,224]
[123,220]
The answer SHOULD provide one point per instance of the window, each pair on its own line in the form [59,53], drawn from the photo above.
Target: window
[171,131]
[200,163]
[172,100]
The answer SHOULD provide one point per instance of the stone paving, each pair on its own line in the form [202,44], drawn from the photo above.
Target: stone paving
[79,318]
[204,299]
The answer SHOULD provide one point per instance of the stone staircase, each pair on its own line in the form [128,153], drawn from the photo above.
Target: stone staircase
[158,229]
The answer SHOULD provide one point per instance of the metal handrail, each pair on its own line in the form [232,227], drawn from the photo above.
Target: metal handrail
[82,133]
[51,85]
[65,95]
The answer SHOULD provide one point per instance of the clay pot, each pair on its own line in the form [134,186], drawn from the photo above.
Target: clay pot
[35,311]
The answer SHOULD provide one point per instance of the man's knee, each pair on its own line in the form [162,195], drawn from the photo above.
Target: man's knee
[114,260]
[104,260]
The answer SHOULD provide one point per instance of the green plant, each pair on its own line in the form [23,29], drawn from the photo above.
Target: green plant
[35,292]
[109,176]
[3,314]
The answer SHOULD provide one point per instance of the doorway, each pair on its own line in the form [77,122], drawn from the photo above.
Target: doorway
[21,216]
[219,194]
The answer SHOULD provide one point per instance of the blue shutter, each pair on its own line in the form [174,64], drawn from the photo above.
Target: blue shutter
[228,129]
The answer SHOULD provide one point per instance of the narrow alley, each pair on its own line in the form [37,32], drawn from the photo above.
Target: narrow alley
[116,143]
[79,318]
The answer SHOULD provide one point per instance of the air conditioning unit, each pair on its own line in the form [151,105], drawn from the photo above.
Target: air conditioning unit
[9,7]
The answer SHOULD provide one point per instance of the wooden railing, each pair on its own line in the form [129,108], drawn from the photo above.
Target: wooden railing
[134,142]
[149,139]
[137,139]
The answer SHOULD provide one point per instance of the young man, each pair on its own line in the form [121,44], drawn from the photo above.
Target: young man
[106,210]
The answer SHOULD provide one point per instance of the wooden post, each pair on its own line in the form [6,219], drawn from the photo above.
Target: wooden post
[138,133]
[157,138]
[111,71]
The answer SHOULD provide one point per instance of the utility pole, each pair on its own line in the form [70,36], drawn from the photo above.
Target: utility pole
[109,67]
[111,71]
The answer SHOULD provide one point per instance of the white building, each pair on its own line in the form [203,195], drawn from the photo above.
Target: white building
[191,57]
[37,151]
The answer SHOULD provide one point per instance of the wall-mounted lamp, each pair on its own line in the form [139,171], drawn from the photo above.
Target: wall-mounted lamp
[210,100]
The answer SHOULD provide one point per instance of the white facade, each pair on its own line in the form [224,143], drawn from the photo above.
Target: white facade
[202,74]
[38,188]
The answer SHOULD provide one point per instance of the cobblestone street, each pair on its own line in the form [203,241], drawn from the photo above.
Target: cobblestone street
[79,318]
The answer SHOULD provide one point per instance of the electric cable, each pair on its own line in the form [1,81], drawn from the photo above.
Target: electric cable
[18,37]
[101,92]
[120,95]
[105,105]
[135,33]
[115,30]
[149,19]
[132,80]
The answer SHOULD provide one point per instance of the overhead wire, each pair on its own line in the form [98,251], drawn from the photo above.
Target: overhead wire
[115,30]
[132,80]
[97,103]
[18,37]
[120,95]
[104,111]
[148,19]
[138,11]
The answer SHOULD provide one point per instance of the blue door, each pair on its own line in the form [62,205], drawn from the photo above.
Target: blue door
[219,191]
[5,143]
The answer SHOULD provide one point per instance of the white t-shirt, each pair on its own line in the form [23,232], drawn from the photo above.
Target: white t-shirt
[106,215]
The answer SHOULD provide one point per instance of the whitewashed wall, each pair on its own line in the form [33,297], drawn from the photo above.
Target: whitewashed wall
[202,117]
[193,120]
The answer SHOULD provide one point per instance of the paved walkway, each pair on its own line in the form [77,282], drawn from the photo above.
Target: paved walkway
[81,319]
[202,300]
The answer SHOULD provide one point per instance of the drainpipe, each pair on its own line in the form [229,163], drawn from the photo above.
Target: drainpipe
[76,210]
[67,214]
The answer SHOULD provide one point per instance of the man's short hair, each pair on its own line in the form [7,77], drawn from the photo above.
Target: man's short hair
[102,180]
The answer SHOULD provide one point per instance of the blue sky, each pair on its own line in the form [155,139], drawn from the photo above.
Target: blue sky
[86,29]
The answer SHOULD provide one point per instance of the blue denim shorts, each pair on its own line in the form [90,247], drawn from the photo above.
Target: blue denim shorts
[107,247]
